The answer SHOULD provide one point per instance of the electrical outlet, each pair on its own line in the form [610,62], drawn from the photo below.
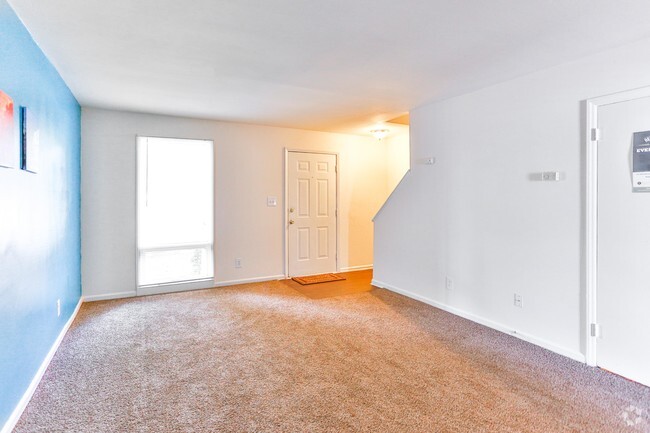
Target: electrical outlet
[449,283]
[519,301]
[238,263]
[58,308]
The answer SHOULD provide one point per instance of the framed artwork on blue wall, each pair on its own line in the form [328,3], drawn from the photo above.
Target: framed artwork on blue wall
[8,148]
[30,140]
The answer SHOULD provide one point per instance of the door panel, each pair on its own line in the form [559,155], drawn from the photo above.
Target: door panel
[323,245]
[311,204]
[303,243]
[623,294]
[303,198]
[323,205]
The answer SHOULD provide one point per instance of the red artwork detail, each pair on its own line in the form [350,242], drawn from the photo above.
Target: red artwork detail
[6,118]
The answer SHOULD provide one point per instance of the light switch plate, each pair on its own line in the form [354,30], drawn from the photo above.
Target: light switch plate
[551,176]
[271,201]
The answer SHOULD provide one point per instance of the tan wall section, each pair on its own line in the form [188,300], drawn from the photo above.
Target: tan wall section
[398,154]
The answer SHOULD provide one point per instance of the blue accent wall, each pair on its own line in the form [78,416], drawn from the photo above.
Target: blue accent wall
[39,215]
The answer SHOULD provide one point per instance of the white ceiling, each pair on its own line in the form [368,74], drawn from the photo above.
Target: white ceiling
[331,65]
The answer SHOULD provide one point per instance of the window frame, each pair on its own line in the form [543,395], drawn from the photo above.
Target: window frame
[173,286]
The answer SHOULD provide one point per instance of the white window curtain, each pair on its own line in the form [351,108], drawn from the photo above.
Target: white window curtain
[175,210]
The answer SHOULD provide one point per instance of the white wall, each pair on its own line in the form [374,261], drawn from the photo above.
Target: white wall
[249,166]
[478,217]
[398,154]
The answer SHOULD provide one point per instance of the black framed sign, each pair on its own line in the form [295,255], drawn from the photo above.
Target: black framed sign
[641,162]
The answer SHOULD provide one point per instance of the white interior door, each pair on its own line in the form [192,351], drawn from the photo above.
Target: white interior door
[311,213]
[623,289]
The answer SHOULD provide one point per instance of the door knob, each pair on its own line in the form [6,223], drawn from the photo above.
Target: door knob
[291,221]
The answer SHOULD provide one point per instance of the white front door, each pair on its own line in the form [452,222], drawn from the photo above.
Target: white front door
[311,213]
[623,289]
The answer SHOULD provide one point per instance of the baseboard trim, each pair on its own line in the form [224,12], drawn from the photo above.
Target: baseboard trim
[115,295]
[356,268]
[189,286]
[577,356]
[249,280]
[29,393]
[158,290]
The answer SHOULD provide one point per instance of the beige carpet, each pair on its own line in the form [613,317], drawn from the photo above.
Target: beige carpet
[264,358]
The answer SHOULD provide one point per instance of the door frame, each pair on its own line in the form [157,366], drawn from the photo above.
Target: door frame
[285,219]
[591,212]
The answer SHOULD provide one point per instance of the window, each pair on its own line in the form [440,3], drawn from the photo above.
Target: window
[175,210]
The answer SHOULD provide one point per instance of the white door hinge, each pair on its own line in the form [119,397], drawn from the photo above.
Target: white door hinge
[595,330]
[595,134]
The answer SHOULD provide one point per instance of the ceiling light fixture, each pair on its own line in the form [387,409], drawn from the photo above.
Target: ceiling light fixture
[379,134]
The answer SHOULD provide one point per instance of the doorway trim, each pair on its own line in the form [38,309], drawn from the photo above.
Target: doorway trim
[285,219]
[591,212]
